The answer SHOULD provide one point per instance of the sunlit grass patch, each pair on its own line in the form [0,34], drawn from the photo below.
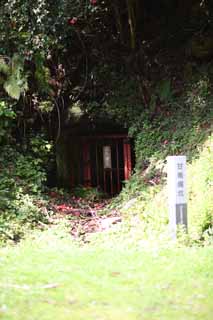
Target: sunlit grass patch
[50,277]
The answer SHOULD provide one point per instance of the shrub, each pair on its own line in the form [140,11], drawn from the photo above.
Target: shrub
[200,188]
[22,178]
[150,203]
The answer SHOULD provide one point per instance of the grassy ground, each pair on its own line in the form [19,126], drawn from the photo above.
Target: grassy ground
[48,276]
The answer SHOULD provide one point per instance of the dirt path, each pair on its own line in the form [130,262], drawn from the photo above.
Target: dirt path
[85,216]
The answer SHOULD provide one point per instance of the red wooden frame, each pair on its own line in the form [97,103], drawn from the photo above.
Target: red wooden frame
[127,159]
[115,185]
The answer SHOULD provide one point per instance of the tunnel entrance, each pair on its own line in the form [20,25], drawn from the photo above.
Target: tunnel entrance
[94,154]
[101,161]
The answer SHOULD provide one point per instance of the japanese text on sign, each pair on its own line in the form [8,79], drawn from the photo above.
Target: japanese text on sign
[180,180]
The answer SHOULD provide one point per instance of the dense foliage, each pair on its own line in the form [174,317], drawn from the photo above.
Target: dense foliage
[22,205]
[146,64]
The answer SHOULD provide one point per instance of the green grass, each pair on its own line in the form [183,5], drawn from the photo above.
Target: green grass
[103,281]
[150,203]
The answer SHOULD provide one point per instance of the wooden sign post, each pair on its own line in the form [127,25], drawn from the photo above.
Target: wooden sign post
[177,192]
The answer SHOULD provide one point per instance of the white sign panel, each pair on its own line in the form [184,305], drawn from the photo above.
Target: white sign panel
[177,191]
[107,158]
[177,179]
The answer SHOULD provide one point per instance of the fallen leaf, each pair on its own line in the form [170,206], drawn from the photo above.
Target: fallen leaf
[115,273]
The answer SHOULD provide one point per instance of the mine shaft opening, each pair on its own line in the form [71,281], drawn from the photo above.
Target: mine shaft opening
[103,162]
[95,154]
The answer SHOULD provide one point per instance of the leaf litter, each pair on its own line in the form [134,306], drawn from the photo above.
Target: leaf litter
[85,216]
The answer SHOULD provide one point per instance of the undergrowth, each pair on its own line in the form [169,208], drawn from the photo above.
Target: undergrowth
[22,203]
[184,128]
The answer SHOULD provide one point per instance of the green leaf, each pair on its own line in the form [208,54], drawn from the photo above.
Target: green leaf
[16,82]
[12,88]
[4,67]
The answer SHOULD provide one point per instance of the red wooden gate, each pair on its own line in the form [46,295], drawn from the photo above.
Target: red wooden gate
[105,161]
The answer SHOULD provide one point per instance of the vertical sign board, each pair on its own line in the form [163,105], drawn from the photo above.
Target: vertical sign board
[107,161]
[177,192]
[107,158]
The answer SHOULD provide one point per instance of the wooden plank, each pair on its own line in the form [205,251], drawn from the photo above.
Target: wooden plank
[127,159]
[118,169]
